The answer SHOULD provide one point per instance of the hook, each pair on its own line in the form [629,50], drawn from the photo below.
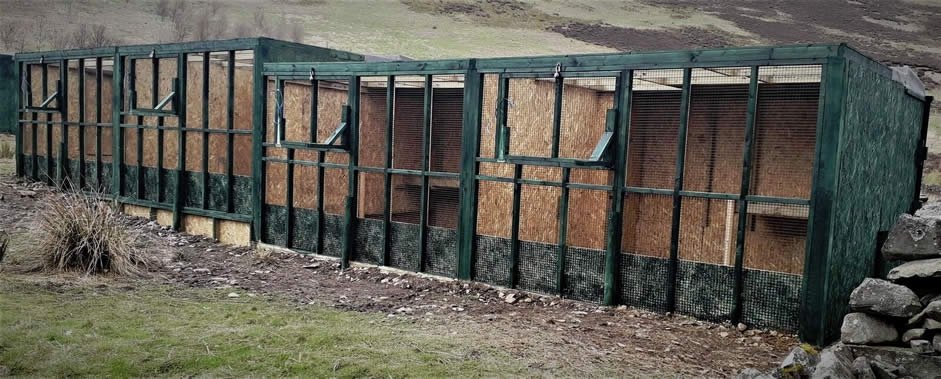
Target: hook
[558,70]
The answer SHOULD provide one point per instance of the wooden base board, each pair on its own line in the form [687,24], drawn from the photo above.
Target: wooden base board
[226,231]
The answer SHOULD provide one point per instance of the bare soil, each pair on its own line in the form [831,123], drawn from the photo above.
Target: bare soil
[560,333]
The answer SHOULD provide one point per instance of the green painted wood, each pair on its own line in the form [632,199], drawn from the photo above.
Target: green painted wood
[259,128]
[352,140]
[81,125]
[34,143]
[62,167]
[470,149]
[515,228]
[99,79]
[160,131]
[612,254]
[747,154]
[180,190]
[15,127]
[117,118]
[426,155]
[229,127]
[204,166]
[563,217]
[557,115]
[501,144]
[826,151]
[677,187]
[387,190]
[320,209]
[289,200]
[45,92]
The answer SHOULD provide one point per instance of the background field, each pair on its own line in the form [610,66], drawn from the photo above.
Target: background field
[895,32]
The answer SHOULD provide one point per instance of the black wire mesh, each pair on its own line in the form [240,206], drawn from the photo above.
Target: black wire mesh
[655,120]
[786,131]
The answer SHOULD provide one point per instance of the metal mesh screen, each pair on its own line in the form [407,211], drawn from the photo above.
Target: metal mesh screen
[785,133]
[530,108]
[705,279]
[585,102]
[647,220]
[655,120]
[775,237]
[715,137]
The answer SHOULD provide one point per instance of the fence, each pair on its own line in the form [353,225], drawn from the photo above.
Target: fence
[701,182]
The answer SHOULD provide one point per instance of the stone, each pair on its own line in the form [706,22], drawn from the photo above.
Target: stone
[921,346]
[913,334]
[836,362]
[913,238]
[928,299]
[933,310]
[862,369]
[885,370]
[741,327]
[233,294]
[510,298]
[799,362]
[931,324]
[27,193]
[884,298]
[863,329]
[916,270]
[936,343]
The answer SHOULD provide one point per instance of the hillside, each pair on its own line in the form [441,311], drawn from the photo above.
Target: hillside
[896,32]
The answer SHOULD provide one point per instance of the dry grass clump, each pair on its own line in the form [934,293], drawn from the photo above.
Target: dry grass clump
[79,233]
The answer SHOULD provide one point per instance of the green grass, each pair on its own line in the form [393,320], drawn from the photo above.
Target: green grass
[94,328]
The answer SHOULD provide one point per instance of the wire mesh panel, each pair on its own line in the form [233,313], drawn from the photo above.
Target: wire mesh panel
[539,233]
[492,262]
[585,102]
[488,117]
[645,246]
[775,240]
[441,248]
[655,121]
[705,279]
[529,115]
[583,276]
[715,137]
[305,208]
[408,124]
[334,206]
[447,112]
[785,133]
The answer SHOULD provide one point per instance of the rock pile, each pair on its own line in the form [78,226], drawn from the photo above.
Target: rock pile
[904,310]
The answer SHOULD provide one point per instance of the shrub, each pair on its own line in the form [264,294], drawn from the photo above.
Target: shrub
[79,233]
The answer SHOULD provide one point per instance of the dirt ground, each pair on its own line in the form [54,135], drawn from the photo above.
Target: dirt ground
[568,334]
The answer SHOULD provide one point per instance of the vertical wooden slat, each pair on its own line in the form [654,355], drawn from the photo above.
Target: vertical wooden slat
[117,118]
[423,201]
[744,188]
[813,315]
[563,217]
[557,115]
[160,136]
[259,129]
[612,254]
[62,86]
[18,72]
[387,195]
[470,150]
[515,228]
[204,167]
[81,124]
[229,126]
[179,198]
[677,187]
[99,79]
[352,177]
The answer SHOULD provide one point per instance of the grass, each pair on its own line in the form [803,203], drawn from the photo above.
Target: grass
[932,178]
[51,329]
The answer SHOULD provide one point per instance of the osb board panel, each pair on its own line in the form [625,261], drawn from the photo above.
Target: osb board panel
[335,190]
[198,225]
[297,111]
[785,137]
[776,244]
[707,231]
[164,217]
[494,209]
[655,120]
[647,220]
[372,128]
[715,138]
[233,232]
[488,117]
[136,211]
[539,210]
[371,196]
[305,187]
[587,218]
